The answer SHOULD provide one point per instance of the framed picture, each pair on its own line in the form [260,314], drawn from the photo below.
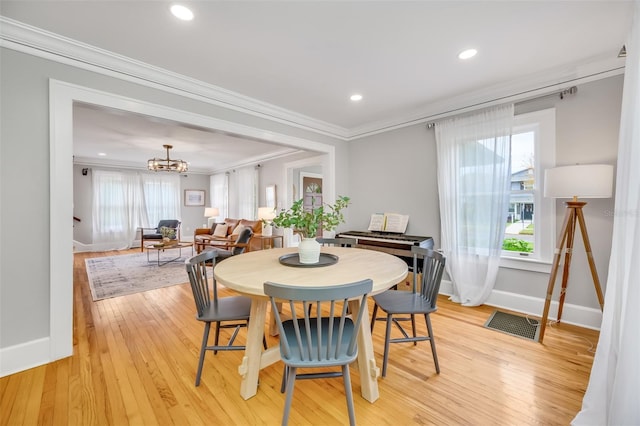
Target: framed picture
[270,196]
[194,197]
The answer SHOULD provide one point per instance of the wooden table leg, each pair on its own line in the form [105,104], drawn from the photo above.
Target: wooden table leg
[369,372]
[250,367]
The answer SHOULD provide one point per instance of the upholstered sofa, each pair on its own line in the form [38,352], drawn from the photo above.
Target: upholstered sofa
[226,232]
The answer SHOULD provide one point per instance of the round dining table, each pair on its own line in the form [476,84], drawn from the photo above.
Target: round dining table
[246,274]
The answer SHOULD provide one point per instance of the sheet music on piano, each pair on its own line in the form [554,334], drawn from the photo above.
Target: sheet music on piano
[389,222]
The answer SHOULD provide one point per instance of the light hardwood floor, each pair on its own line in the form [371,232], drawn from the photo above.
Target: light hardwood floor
[135,359]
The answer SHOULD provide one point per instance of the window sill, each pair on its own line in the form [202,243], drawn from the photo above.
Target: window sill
[524,264]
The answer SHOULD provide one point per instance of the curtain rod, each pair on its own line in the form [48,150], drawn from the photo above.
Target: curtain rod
[563,93]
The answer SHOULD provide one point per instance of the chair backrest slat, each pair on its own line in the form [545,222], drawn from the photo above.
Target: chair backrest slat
[198,278]
[332,333]
[431,264]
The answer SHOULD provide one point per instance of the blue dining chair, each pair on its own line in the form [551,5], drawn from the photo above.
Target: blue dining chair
[224,312]
[318,342]
[421,300]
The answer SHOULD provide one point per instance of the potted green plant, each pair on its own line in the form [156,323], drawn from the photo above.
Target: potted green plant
[307,223]
[168,235]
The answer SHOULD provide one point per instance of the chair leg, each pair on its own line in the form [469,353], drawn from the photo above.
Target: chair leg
[217,336]
[203,348]
[387,338]
[348,393]
[291,380]
[373,315]
[413,328]
[433,342]
[285,374]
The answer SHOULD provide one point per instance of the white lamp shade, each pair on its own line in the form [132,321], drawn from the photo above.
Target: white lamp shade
[582,181]
[266,213]
[211,212]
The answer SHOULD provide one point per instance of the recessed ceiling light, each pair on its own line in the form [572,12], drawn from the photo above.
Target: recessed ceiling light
[355,98]
[102,154]
[466,54]
[182,12]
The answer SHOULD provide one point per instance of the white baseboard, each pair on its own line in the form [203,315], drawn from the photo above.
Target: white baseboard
[571,314]
[24,356]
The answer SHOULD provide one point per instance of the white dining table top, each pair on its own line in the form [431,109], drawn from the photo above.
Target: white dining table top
[246,273]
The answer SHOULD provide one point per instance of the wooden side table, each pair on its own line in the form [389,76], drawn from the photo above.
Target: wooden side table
[269,241]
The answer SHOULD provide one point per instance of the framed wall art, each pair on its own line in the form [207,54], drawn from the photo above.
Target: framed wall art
[194,197]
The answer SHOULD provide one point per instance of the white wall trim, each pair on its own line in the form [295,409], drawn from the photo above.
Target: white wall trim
[14,359]
[35,41]
[571,314]
[61,98]
[513,92]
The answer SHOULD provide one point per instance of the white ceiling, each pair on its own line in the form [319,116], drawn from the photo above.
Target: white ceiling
[303,59]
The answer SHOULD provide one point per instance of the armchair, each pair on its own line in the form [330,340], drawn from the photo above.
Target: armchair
[155,233]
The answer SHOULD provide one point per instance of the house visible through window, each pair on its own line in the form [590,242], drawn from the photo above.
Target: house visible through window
[530,219]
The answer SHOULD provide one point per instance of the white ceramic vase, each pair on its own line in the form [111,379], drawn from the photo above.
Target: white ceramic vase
[309,251]
[267,230]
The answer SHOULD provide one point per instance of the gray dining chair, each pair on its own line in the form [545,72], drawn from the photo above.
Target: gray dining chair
[239,246]
[337,242]
[421,300]
[225,312]
[318,342]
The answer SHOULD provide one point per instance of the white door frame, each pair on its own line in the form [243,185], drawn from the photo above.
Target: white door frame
[62,95]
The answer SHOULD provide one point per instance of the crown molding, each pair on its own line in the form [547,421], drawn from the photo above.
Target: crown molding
[21,37]
[37,42]
[527,88]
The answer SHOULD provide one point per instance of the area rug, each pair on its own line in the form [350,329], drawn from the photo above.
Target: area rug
[514,325]
[114,276]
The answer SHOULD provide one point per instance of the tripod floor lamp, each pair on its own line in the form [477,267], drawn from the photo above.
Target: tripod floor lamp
[584,181]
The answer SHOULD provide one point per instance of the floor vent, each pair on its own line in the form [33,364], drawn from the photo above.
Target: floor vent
[515,325]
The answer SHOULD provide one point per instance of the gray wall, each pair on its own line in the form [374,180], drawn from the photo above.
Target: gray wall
[24,178]
[396,171]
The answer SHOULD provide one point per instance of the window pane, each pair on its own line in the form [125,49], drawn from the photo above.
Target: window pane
[519,230]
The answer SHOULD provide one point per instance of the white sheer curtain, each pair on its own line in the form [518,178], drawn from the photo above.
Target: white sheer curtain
[161,197]
[219,186]
[474,170]
[118,209]
[612,395]
[125,201]
[247,179]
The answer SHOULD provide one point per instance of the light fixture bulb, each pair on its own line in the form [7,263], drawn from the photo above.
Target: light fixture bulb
[466,54]
[355,98]
[182,12]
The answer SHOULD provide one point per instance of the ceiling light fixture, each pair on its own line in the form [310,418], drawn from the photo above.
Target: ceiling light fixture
[182,12]
[167,164]
[466,54]
[355,98]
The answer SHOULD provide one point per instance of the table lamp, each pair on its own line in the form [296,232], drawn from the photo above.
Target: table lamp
[266,215]
[574,182]
[211,213]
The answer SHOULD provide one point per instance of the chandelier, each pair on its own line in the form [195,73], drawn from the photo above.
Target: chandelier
[167,164]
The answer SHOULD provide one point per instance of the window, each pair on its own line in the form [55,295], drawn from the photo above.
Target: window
[123,201]
[530,220]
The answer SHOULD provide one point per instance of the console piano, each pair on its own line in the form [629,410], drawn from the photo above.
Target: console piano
[396,244]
